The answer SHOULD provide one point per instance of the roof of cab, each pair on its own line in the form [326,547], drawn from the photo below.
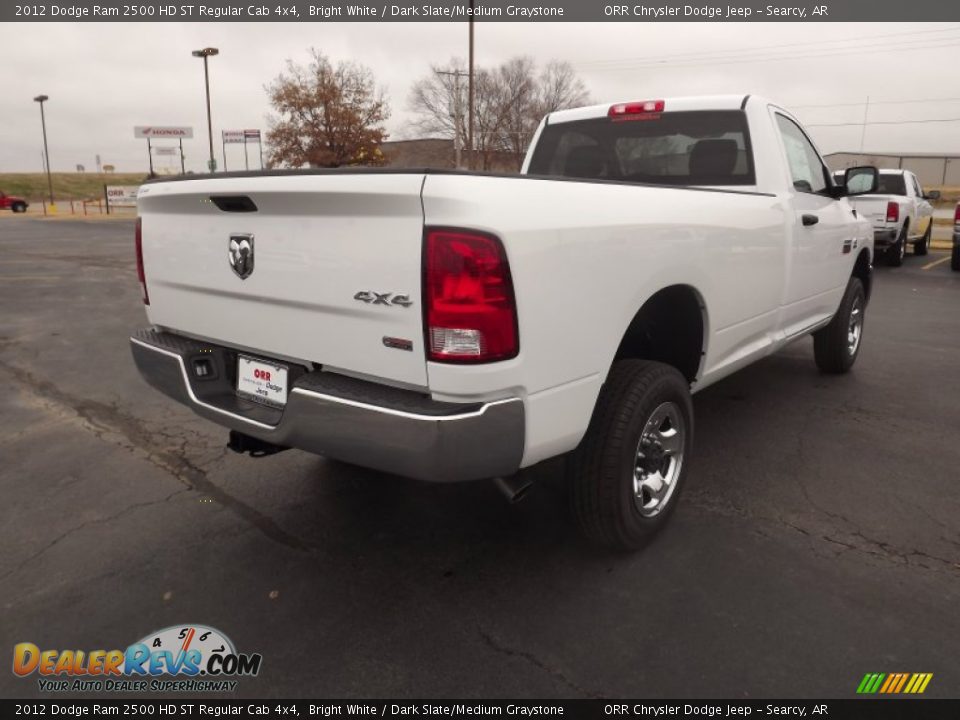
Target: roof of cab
[693,102]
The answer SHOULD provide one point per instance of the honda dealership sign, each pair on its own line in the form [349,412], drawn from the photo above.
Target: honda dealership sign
[168,132]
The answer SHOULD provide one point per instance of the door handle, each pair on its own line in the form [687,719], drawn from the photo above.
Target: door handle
[809,220]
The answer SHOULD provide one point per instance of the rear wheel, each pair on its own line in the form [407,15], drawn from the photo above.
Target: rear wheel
[19,207]
[835,347]
[628,471]
[922,246]
[898,250]
[955,258]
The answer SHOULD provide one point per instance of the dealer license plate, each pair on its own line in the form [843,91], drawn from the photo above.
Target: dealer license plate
[261,381]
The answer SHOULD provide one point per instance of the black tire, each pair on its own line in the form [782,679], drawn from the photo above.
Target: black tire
[833,347]
[602,470]
[955,258]
[922,246]
[896,251]
[19,207]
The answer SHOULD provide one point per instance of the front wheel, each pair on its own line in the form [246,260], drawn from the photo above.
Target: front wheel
[628,471]
[19,207]
[922,246]
[835,347]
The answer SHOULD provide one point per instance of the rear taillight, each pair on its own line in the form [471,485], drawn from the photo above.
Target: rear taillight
[893,212]
[141,275]
[469,309]
[956,215]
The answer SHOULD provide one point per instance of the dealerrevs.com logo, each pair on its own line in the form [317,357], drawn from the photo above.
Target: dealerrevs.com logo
[181,658]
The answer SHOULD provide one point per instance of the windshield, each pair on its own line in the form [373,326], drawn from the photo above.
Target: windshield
[679,148]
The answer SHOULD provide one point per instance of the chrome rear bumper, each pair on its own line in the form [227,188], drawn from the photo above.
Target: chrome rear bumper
[375,426]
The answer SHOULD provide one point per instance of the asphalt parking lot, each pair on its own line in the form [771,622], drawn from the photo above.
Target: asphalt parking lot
[818,538]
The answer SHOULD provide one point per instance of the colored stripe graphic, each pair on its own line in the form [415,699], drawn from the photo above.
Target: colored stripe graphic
[912,684]
[894,683]
[903,680]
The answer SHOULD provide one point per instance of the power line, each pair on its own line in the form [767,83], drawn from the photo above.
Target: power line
[924,44]
[707,55]
[882,122]
[876,102]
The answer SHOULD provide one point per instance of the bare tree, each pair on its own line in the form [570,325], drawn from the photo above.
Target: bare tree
[509,102]
[326,116]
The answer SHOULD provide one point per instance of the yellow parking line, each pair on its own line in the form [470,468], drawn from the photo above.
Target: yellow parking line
[935,263]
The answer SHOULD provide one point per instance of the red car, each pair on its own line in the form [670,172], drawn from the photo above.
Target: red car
[12,202]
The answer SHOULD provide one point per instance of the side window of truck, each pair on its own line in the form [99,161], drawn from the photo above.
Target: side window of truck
[806,167]
[916,186]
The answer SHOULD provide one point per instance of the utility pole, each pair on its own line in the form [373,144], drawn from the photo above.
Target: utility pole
[457,110]
[470,145]
[863,132]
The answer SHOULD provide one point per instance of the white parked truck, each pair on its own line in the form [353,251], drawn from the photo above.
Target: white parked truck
[454,326]
[900,212]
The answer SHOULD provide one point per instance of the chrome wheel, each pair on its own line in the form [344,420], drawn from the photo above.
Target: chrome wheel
[855,326]
[902,247]
[659,459]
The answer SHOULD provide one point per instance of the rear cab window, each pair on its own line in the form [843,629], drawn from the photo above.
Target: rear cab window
[891,184]
[703,147]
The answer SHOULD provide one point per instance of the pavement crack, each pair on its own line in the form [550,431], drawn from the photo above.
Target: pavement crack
[499,647]
[84,525]
[109,423]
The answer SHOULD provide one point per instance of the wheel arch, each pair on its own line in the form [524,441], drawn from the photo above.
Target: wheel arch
[671,326]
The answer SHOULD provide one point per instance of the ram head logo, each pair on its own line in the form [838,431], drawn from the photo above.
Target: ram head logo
[240,255]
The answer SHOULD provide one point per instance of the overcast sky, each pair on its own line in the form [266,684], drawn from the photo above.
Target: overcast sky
[105,78]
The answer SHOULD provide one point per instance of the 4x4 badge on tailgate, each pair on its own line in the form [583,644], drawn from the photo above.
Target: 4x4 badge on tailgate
[240,254]
[388,298]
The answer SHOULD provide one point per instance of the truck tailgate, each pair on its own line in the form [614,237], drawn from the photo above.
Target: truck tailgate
[317,241]
[873,207]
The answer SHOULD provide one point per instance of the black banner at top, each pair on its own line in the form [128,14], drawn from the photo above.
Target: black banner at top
[481,10]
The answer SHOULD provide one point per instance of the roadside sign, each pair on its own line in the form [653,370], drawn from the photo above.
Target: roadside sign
[233,136]
[156,131]
[166,151]
[251,135]
[121,195]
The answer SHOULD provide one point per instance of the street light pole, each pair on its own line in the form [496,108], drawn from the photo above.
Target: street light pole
[207,53]
[46,152]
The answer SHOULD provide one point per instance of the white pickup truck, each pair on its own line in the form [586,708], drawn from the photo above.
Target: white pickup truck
[455,326]
[900,212]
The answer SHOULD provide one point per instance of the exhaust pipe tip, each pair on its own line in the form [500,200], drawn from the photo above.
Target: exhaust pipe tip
[514,488]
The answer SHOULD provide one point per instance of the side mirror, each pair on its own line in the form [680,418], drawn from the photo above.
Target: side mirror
[932,195]
[861,180]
